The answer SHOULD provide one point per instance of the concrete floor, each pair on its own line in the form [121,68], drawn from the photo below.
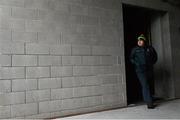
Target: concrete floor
[165,110]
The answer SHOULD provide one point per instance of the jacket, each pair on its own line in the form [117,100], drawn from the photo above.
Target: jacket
[143,57]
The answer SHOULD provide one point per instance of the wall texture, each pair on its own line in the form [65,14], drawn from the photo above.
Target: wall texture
[175,37]
[61,57]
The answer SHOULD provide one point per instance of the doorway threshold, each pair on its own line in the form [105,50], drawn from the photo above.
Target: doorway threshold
[136,104]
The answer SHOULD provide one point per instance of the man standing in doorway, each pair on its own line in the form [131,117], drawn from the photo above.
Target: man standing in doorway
[144,56]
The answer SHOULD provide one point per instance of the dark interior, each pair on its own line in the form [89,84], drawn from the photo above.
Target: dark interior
[136,21]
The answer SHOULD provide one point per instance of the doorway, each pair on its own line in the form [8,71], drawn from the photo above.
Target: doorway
[138,20]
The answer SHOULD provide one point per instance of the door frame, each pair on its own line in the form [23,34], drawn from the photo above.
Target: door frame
[166,63]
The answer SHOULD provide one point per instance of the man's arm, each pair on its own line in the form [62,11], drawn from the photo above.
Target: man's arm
[154,55]
[132,56]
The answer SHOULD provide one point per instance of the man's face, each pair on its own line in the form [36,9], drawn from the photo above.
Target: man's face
[141,43]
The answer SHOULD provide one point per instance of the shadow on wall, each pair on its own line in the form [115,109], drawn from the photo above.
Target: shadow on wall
[161,77]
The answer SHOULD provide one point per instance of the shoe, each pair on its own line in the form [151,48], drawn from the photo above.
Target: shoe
[150,106]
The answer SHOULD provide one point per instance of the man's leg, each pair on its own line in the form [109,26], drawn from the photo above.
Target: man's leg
[145,89]
[150,78]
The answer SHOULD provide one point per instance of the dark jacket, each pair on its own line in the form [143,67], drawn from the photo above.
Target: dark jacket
[143,57]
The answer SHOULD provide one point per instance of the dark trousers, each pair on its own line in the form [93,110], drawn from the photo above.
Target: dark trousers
[145,79]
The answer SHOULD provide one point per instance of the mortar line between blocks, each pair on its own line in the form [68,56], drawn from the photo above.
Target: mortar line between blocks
[37,60]
[50,74]
[25,48]
[11,85]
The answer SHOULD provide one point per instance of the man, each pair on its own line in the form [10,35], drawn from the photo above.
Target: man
[144,57]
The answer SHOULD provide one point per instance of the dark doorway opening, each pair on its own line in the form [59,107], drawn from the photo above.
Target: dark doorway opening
[136,21]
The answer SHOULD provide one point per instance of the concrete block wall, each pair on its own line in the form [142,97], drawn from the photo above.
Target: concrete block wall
[63,57]
[175,30]
[60,57]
